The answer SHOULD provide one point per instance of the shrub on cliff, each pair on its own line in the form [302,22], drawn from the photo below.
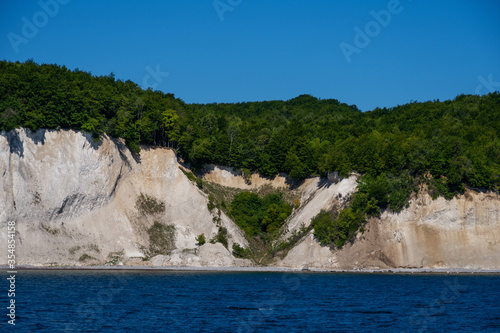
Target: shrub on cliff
[239,251]
[200,240]
[257,215]
[221,237]
[337,231]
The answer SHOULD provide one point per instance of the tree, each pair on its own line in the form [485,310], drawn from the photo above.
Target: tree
[233,131]
[169,121]
[451,145]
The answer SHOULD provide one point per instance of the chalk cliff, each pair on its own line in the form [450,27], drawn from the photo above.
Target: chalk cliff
[460,233]
[76,202]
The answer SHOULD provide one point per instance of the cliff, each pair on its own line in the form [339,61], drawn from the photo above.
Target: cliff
[460,233]
[80,202]
[75,202]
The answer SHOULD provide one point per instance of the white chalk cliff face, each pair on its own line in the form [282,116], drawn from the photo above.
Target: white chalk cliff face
[74,203]
[460,233]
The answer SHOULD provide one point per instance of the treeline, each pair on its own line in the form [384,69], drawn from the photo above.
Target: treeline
[451,145]
[50,96]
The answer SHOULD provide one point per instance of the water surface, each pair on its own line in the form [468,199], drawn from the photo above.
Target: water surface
[109,301]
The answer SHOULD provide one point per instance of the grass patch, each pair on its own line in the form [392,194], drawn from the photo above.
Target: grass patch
[211,203]
[285,246]
[161,238]
[240,252]
[85,257]
[147,205]
[73,250]
[220,196]
[94,247]
[189,175]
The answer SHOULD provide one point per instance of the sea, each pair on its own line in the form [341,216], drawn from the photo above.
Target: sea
[185,301]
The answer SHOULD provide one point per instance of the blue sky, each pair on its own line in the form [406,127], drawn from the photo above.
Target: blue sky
[254,50]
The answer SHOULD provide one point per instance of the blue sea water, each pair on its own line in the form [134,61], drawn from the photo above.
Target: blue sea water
[145,301]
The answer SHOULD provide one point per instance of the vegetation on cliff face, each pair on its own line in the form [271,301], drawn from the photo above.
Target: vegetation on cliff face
[260,213]
[161,238]
[337,231]
[449,145]
[147,205]
[259,216]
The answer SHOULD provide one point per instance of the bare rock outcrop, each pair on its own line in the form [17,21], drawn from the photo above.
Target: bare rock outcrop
[74,200]
[227,176]
[460,233]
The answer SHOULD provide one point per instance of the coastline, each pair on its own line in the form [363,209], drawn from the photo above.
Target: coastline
[257,269]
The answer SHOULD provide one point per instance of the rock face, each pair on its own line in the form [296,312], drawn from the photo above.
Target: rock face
[78,202]
[461,233]
[228,177]
[317,195]
[74,201]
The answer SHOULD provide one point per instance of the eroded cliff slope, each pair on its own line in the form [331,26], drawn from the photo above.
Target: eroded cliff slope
[460,233]
[75,201]
[78,202]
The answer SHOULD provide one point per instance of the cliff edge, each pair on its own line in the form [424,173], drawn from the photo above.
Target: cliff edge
[75,201]
[80,202]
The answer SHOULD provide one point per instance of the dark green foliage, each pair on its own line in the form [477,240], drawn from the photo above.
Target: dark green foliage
[441,187]
[200,240]
[257,215]
[450,145]
[323,228]
[337,231]
[211,202]
[85,257]
[374,193]
[239,251]
[199,183]
[147,205]
[455,144]
[51,96]
[188,174]
[247,175]
[383,191]
[220,237]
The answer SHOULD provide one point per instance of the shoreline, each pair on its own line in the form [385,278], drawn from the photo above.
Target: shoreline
[256,269]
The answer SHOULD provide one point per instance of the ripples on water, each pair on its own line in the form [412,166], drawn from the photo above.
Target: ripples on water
[90,301]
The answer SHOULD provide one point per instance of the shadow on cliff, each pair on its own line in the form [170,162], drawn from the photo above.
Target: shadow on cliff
[123,149]
[16,143]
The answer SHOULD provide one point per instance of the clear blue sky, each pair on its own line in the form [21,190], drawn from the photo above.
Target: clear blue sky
[268,50]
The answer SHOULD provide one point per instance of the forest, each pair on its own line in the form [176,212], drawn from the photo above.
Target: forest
[449,145]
